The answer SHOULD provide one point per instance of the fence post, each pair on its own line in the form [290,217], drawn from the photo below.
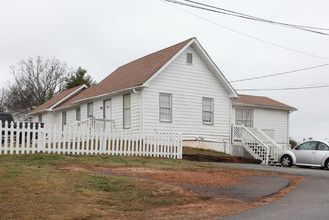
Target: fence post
[1,138]
[180,146]
[12,134]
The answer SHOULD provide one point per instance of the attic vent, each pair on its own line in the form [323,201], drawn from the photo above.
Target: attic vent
[189,58]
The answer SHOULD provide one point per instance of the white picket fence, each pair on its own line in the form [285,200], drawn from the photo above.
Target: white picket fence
[87,140]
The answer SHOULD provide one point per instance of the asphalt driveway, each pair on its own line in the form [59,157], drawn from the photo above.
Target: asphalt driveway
[309,201]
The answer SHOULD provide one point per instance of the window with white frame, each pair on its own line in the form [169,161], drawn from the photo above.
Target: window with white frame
[189,58]
[63,120]
[40,118]
[126,111]
[208,111]
[78,114]
[165,107]
[90,110]
[244,117]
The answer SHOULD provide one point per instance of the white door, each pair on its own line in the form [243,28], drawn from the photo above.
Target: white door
[107,112]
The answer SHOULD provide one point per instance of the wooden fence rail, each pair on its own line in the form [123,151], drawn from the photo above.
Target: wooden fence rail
[87,140]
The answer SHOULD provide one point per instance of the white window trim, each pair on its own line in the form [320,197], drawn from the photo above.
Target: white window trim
[170,98]
[187,54]
[64,122]
[78,116]
[212,111]
[92,108]
[243,120]
[123,111]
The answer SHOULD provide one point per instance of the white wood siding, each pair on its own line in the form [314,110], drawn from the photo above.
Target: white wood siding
[47,117]
[188,84]
[271,119]
[116,110]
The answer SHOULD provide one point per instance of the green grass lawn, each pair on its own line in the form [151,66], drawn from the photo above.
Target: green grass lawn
[34,187]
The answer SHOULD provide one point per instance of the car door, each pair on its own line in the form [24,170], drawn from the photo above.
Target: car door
[306,152]
[321,151]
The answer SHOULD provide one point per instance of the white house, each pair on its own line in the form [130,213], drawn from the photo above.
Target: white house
[270,116]
[177,89]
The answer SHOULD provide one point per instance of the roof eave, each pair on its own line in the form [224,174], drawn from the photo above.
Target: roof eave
[263,106]
[68,96]
[108,94]
[228,87]
[40,111]
[147,82]
[49,109]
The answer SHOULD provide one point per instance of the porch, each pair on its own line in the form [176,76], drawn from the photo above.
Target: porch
[254,143]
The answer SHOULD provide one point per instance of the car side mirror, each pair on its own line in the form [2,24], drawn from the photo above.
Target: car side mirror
[296,148]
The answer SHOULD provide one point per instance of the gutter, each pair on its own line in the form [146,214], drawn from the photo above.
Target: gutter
[264,106]
[109,94]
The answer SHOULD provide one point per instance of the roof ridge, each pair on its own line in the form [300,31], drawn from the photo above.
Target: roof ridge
[158,51]
[131,74]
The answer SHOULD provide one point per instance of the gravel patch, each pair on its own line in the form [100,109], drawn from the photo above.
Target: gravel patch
[252,188]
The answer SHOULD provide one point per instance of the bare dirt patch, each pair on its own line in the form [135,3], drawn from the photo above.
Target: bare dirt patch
[204,209]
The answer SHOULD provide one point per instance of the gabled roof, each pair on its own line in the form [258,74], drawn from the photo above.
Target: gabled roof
[261,101]
[58,99]
[141,71]
[130,75]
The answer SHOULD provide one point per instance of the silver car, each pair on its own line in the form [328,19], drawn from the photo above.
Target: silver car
[307,154]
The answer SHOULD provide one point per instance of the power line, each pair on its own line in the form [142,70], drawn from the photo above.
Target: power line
[288,88]
[278,74]
[249,36]
[233,13]
[244,16]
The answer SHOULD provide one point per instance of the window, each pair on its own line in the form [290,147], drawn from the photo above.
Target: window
[40,118]
[207,111]
[126,111]
[308,146]
[165,108]
[63,120]
[78,114]
[90,110]
[189,58]
[323,146]
[244,117]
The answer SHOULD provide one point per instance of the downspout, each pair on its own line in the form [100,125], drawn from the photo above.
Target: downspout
[288,131]
[231,126]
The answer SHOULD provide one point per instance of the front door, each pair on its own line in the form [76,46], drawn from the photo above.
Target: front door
[107,112]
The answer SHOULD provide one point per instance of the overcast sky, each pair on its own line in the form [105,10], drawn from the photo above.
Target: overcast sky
[102,35]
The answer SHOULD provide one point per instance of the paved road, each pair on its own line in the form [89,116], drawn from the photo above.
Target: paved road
[310,201]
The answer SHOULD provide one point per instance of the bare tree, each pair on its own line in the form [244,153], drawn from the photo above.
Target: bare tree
[36,80]
[3,100]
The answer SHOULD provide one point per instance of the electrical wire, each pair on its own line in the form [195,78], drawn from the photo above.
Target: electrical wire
[249,36]
[278,74]
[288,88]
[256,18]
[240,15]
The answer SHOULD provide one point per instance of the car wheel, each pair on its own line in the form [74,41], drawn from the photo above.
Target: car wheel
[286,161]
[326,164]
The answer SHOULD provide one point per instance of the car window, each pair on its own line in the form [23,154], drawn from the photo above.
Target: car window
[308,146]
[323,146]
